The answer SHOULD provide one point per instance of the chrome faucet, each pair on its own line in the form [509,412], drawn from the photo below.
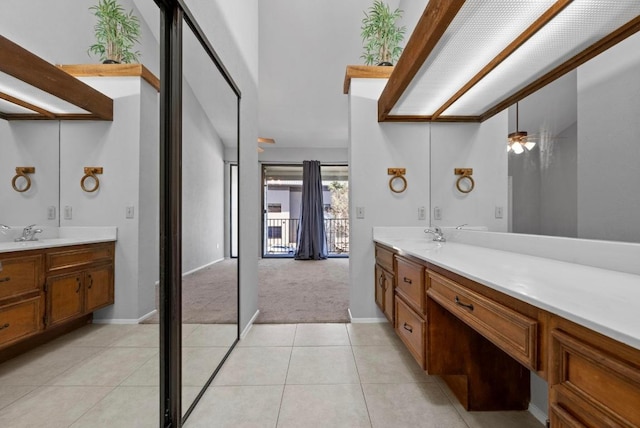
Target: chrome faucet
[437,234]
[4,227]
[28,234]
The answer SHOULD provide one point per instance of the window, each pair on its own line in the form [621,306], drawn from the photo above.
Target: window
[274,208]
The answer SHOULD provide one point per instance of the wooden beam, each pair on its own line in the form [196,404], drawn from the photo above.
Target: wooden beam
[547,16]
[24,65]
[26,105]
[421,118]
[366,72]
[592,51]
[434,22]
[112,70]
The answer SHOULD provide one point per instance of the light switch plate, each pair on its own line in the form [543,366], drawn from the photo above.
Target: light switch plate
[129,212]
[359,212]
[499,213]
[422,213]
[437,213]
[51,212]
[68,212]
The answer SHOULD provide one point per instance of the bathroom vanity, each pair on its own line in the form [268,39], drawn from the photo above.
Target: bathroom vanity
[483,318]
[50,287]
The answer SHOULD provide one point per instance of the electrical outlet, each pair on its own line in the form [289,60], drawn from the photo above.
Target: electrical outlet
[51,213]
[422,213]
[129,212]
[68,212]
[499,213]
[359,212]
[437,213]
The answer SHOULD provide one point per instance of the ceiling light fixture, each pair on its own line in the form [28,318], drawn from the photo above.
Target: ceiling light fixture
[519,141]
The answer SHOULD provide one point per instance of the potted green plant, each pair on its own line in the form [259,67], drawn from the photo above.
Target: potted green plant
[381,36]
[116,33]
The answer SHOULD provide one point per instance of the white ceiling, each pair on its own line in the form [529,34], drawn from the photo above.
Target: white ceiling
[304,48]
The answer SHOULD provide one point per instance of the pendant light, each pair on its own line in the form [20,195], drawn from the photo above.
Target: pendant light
[519,141]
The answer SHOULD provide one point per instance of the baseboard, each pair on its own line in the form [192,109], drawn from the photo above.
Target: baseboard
[249,325]
[541,416]
[115,321]
[202,267]
[149,315]
[365,320]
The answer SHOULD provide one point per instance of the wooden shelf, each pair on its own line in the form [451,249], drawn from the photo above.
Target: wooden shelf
[112,70]
[365,72]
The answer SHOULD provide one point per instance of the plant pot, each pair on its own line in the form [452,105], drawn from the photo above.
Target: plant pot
[385,64]
[110,61]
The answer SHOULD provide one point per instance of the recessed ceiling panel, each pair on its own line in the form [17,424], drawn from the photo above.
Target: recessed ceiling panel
[578,26]
[10,108]
[478,33]
[32,95]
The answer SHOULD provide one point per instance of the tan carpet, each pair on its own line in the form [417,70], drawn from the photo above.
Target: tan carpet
[289,291]
[301,291]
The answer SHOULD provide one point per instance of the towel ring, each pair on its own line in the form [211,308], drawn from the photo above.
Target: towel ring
[397,173]
[22,171]
[90,172]
[464,173]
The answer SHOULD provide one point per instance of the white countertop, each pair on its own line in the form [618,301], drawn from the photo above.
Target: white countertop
[603,300]
[62,237]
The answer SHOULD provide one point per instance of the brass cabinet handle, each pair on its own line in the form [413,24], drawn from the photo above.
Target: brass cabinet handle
[6,325]
[79,285]
[380,279]
[465,305]
[407,280]
[408,327]
[5,279]
[90,281]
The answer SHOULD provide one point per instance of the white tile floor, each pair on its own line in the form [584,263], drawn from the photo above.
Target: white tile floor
[287,375]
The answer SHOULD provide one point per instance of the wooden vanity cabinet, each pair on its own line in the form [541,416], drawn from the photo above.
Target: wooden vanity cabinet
[21,308]
[385,281]
[79,281]
[45,292]
[594,381]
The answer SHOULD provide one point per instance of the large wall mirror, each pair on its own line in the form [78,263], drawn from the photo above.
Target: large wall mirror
[118,356]
[209,217]
[581,179]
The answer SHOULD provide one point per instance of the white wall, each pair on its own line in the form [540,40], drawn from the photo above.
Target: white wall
[608,154]
[116,147]
[202,187]
[480,146]
[29,143]
[275,154]
[373,148]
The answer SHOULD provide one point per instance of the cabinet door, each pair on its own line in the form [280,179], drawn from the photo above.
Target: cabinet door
[64,298]
[99,287]
[389,295]
[380,284]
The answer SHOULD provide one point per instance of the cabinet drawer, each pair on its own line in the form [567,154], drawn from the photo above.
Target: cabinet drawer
[511,331]
[78,257]
[19,320]
[607,385]
[410,283]
[19,275]
[411,328]
[384,258]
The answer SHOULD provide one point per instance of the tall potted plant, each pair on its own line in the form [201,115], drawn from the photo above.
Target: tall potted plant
[116,33]
[381,36]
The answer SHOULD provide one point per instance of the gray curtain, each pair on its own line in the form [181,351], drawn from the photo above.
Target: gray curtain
[312,239]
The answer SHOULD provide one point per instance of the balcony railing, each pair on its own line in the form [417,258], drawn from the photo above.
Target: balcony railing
[281,235]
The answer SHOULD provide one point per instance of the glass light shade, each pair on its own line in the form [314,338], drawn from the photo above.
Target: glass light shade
[517,148]
[529,145]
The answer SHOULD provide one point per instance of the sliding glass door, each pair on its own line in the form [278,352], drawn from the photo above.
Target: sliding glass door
[282,196]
